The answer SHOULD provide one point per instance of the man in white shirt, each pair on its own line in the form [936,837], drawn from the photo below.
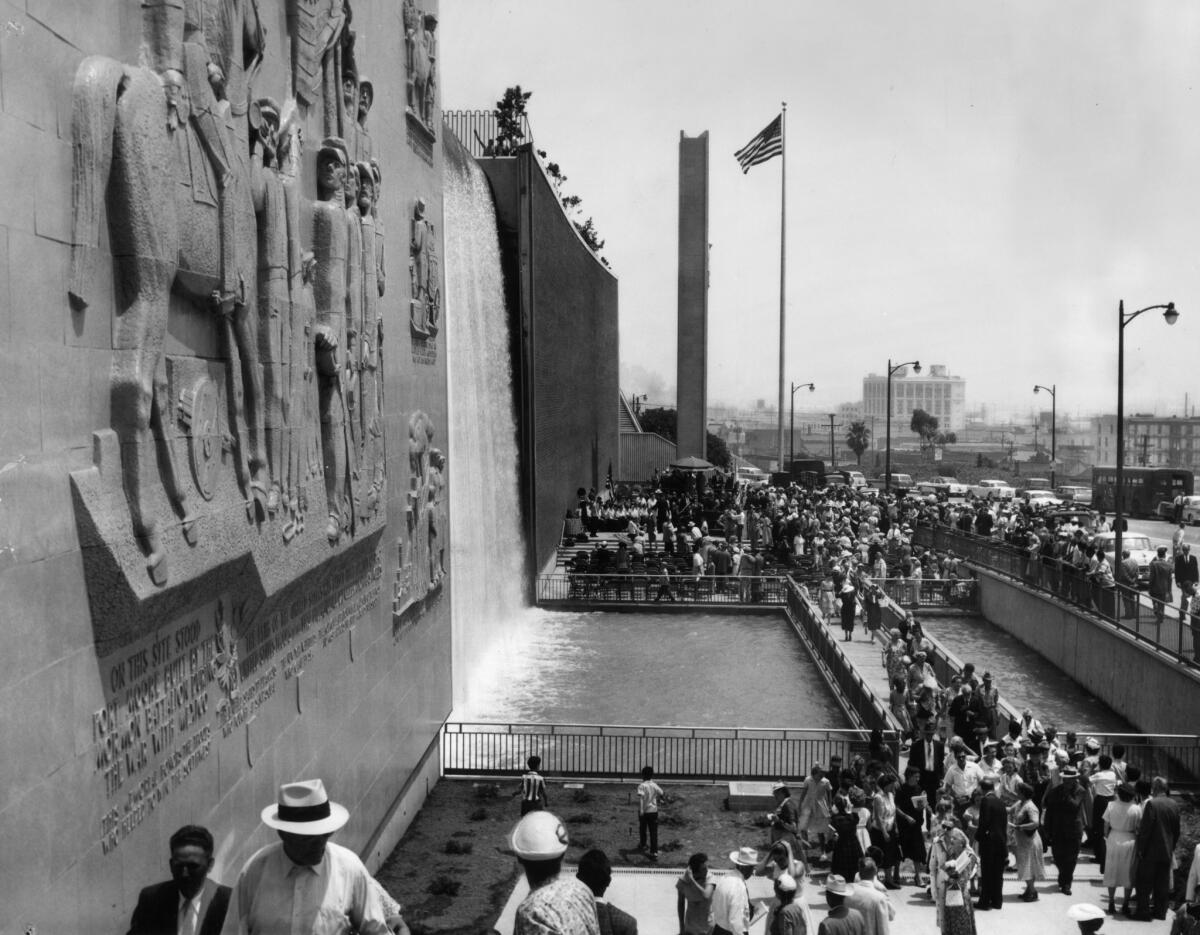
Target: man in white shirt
[962,778]
[731,898]
[305,885]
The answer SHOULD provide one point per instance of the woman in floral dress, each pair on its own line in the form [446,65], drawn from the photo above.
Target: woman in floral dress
[952,865]
[1025,821]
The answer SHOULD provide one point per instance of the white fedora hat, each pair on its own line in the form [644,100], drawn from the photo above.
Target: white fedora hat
[304,808]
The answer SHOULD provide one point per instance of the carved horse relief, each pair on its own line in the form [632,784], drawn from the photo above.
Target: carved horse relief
[164,240]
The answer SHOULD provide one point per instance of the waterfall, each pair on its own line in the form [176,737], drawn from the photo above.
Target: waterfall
[487,547]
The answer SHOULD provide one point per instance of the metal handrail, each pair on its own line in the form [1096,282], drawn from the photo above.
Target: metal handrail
[653,587]
[1061,580]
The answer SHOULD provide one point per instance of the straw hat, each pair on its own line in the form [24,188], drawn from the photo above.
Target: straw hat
[304,808]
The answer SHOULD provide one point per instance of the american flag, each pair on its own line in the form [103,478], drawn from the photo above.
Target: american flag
[766,145]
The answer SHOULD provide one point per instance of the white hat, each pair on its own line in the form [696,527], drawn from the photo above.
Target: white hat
[836,884]
[779,786]
[1092,744]
[786,882]
[1083,912]
[744,857]
[304,808]
[540,835]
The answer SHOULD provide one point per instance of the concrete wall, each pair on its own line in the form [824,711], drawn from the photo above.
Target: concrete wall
[1155,694]
[566,359]
[112,735]
[692,340]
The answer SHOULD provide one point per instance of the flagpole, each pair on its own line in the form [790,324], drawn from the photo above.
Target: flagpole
[782,266]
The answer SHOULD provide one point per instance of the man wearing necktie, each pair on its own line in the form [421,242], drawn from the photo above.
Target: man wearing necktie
[189,903]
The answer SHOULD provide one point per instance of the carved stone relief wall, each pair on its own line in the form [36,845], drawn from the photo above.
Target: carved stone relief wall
[209,457]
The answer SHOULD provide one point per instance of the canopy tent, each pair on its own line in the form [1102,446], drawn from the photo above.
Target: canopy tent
[691,463]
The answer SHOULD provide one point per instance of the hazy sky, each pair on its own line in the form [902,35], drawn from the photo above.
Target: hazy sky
[974,184]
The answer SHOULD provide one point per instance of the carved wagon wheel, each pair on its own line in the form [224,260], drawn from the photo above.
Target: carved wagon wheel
[200,408]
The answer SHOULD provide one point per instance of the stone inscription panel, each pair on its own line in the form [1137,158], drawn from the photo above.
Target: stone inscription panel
[172,694]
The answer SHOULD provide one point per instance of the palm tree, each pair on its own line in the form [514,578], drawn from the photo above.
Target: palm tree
[858,439]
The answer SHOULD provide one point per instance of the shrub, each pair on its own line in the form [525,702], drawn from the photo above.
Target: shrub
[580,818]
[480,814]
[442,885]
[458,847]
[581,796]
[487,791]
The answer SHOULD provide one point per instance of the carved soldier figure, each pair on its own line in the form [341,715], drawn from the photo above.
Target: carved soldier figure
[274,300]
[331,249]
[422,264]
[354,305]
[438,521]
[370,464]
[350,96]
[430,83]
[412,23]
[366,98]
[380,268]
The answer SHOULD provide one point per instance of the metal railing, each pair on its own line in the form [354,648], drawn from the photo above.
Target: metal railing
[915,593]
[620,751]
[477,129]
[844,677]
[655,589]
[1126,609]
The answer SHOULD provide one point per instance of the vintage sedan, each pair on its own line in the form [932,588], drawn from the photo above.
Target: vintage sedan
[1140,550]
[993,490]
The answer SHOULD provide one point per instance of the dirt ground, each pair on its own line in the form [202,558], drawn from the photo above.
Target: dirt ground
[452,872]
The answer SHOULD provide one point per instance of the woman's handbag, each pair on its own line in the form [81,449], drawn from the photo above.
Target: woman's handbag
[954,896]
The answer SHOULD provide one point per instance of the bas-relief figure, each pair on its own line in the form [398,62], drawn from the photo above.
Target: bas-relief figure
[422,550]
[294,288]
[425,275]
[420,48]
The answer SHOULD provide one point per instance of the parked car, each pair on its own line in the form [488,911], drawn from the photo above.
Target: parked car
[993,490]
[753,476]
[1078,494]
[901,483]
[1140,550]
[1037,483]
[855,479]
[954,487]
[1191,510]
[1041,499]
[1081,517]
[932,488]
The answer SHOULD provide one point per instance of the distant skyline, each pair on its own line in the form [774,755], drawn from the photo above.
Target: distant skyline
[969,184]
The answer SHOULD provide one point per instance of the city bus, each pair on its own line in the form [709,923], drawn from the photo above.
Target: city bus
[1145,488]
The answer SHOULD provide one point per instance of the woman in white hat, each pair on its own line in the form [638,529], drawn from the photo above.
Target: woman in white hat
[952,865]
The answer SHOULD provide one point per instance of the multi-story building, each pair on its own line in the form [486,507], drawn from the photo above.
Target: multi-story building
[938,392]
[1155,441]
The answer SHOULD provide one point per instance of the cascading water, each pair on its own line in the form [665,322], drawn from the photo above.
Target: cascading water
[487,546]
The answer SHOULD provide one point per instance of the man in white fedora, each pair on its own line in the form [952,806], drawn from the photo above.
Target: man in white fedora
[842,920]
[731,898]
[304,885]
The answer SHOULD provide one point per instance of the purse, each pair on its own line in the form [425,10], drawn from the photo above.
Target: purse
[954,897]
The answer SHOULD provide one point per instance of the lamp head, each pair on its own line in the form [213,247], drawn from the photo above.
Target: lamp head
[812,387]
[1037,389]
[1170,314]
[916,366]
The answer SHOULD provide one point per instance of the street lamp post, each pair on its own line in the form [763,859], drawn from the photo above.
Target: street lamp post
[887,455]
[1170,315]
[1053,426]
[792,429]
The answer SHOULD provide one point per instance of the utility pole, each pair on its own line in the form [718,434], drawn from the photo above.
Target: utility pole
[832,448]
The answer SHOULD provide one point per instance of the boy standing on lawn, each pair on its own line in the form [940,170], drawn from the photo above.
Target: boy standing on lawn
[649,795]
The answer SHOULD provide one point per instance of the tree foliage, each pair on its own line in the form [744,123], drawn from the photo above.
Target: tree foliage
[718,452]
[510,116]
[660,421]
[858,439]
[926,427]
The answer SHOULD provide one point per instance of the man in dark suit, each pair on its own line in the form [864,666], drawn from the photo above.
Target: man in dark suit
[189,903]
[929,756]
[1157,835]
[992,838]
[595,870]
[1186,569]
